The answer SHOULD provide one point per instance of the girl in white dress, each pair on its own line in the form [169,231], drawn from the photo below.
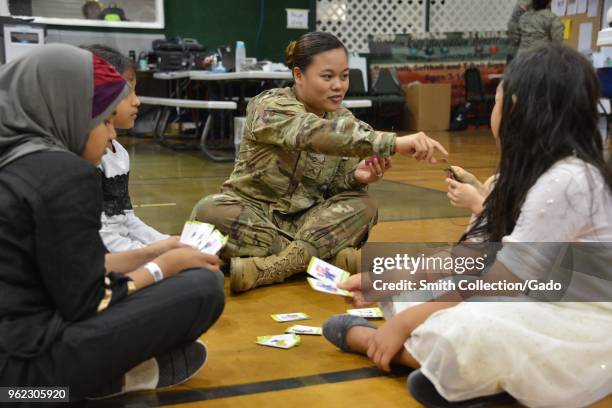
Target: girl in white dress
[122,230]
[553,186]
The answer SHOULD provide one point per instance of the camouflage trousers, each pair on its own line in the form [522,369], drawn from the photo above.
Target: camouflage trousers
[341,221]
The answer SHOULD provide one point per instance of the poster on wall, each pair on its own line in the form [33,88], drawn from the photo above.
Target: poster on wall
[558,7]
[581,6]
[593,8]
[572,7]
[585,36]
[297,18]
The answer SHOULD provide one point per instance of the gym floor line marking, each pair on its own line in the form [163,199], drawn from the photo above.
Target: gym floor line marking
[154,205]
[204,394]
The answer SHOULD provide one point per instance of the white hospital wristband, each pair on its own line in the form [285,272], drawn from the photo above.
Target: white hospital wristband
[155,271]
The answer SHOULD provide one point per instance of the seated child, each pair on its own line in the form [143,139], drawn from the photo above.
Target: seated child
[121,229]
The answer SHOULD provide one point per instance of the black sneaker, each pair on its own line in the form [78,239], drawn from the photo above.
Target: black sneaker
[424,392]
[170,369]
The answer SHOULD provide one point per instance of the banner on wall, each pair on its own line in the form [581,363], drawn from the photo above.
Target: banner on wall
[448,73]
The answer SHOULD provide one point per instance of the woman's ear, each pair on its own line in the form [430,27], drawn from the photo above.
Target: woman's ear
[297,75]
[514,100]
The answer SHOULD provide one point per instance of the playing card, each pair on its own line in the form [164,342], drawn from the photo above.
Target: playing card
[367,313]
[328,287]
[188,228]
[196,233]
[214,243]
[284,341]
[299,329]
[326,272]
[289,317]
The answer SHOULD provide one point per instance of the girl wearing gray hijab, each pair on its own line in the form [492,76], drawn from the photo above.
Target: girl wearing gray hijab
[72,315]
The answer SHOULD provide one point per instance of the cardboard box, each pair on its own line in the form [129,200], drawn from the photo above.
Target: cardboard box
[427,106]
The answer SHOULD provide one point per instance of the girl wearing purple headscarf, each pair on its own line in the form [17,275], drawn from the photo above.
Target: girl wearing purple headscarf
[72,315]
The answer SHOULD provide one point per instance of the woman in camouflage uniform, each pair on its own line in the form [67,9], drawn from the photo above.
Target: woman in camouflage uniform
[299,186]
[534,25]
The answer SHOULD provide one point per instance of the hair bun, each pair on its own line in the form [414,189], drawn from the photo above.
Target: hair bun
[290,53]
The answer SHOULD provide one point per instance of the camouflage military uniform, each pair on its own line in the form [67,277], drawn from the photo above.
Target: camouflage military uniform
[294,180]
[538,28]
[521,7]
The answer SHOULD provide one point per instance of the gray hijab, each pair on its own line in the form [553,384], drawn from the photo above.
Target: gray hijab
[46,102]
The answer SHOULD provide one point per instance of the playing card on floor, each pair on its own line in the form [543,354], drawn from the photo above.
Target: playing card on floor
[289,317]
[367,313]
[284,341]
[300,329]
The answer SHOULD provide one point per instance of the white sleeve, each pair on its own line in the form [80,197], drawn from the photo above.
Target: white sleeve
[116,242]
[141,231]
[556,210]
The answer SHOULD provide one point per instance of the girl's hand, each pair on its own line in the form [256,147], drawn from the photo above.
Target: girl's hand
[353,284]
[420,147]
[462,195]
[179,259]
[387,342]
[372,170]
[161,247]
[465,176]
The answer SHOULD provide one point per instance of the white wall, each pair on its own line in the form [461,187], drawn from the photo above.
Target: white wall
[123,42]
[4,10]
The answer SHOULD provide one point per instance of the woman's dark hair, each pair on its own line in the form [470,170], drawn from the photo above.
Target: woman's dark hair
[540,4]
[119,61]
[300,53]
[549,113]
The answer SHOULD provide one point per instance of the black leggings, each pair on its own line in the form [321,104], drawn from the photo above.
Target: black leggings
[89,354]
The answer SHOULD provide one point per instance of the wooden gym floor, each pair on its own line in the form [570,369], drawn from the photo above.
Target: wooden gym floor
[165,185]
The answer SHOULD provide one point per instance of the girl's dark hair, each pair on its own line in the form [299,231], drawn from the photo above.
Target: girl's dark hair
[119,61]
[549,112]
[300,53]
[540,4]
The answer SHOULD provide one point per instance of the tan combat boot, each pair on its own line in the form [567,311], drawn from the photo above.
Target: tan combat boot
[348,259]
[249,273]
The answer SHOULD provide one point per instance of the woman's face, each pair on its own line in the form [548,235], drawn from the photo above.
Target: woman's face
[98,140]
[322,86]
[127,110]
[496,114]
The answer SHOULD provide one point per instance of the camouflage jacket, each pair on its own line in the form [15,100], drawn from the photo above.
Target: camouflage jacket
[538,28]
[520,8]
[291,159]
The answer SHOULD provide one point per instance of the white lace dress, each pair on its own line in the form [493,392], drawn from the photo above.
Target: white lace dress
[121,229]
[544,354]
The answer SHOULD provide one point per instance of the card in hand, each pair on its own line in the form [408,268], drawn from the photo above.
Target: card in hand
[323,271]
[328,287]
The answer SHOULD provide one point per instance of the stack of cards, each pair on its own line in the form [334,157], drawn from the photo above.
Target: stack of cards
[367,313]
[284,341]
[203,236]
[299,329]
[289,317]
[326,276]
